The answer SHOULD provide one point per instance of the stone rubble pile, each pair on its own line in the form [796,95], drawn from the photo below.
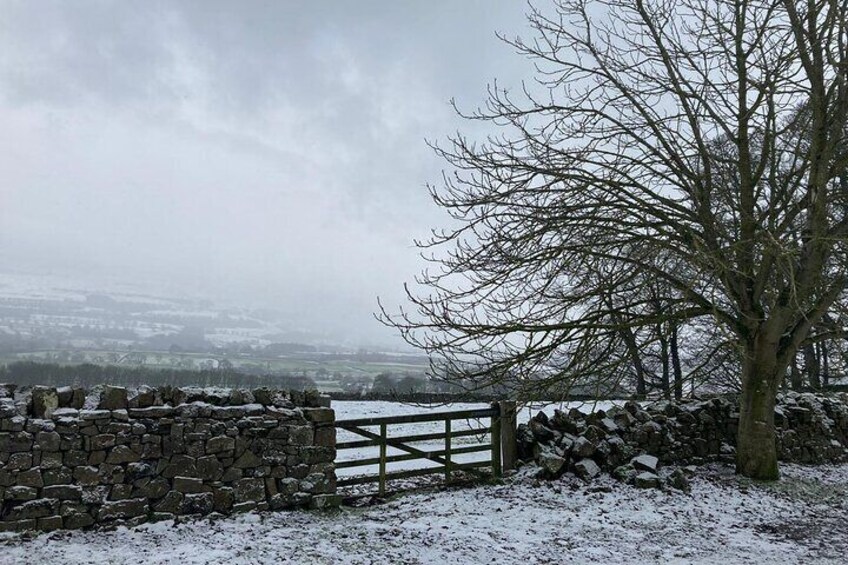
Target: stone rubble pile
[72,459]
[632,442]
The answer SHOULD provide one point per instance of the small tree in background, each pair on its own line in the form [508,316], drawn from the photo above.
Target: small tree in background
[696,144]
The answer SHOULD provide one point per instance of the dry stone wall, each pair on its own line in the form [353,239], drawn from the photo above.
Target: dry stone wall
[634,440]
[74,459]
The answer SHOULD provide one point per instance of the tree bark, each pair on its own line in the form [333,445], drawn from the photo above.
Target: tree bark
[811,365]
[796,377]
[635,358]
[675,360]
[665,382]
[825,364]
[756,451]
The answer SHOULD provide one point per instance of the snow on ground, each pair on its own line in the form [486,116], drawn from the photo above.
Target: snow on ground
[802,519]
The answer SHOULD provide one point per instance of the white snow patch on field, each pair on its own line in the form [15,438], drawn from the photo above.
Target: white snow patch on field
[347,409]
[724,520]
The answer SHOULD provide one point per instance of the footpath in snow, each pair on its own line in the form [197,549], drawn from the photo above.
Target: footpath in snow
[802,519]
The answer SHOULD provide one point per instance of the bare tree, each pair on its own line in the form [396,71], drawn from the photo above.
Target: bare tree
[695,142]
[822,356]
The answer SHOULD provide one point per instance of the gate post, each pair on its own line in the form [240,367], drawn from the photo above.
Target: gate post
[497,470]
[448,447]
[509,446]
[383,447]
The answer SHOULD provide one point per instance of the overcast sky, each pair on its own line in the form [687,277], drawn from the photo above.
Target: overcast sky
[257,153]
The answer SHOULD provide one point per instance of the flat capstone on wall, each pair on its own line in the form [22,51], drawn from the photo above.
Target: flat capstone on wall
[71,458]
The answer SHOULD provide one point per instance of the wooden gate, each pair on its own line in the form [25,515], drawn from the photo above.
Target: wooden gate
[501,445]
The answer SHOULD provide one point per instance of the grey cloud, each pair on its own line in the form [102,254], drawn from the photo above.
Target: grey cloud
[263,152]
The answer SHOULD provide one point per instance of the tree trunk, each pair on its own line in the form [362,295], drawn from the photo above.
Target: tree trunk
[756,451]
[796,378]
[675,361]
[665,381]
[638,368]
[825,364]
[811,365]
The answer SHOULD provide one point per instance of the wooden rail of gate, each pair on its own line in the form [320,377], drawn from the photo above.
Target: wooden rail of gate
[502,445]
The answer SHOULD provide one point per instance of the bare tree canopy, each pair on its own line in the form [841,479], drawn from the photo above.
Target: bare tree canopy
[698,145]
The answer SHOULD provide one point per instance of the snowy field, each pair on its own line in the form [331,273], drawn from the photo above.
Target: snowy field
[801,520]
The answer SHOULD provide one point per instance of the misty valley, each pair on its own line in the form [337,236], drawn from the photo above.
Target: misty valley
[53,334]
